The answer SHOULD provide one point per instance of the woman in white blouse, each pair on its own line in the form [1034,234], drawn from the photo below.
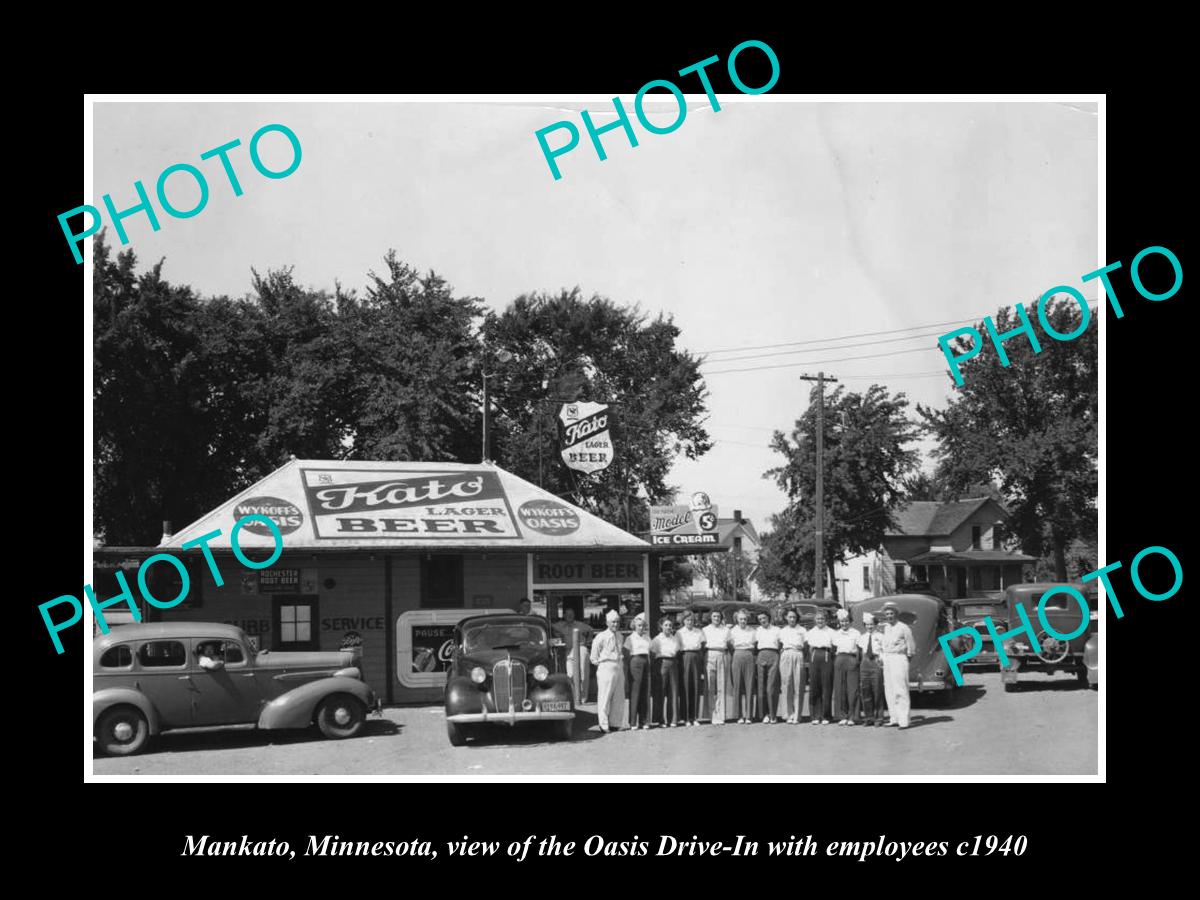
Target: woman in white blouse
[637,646]
[742,639]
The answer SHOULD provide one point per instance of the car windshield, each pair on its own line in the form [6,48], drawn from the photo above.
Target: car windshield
[977,610]
[489,637]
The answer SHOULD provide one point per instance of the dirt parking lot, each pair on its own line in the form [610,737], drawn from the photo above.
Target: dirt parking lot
[1048,727]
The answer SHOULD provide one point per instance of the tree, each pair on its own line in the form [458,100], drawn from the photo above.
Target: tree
[785,557]
[720,569]
[866,464]
[563,346]
[1031,426]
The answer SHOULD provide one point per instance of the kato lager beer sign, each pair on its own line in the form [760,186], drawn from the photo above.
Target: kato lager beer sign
[694,524]
[587,442]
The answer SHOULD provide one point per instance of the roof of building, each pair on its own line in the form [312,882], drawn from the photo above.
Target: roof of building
[938,557]
[351,504]
[923,518]
[727,527]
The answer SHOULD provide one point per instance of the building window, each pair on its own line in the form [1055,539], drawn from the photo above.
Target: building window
[161,654]
[442,582]
[899,575]
[866,578]
[976,537]
[997,537]
[919,574]
[295,623]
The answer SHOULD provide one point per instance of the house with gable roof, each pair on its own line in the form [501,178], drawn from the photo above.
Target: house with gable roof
[959,548]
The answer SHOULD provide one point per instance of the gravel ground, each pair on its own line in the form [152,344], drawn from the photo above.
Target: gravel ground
[1048,727]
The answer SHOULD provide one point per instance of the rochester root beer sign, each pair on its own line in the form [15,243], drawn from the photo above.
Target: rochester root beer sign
[587,441]
[345,503]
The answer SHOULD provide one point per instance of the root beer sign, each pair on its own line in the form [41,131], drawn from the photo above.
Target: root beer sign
[373,503]
[586,438]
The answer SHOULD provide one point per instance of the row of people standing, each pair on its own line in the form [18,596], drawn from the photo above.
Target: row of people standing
[764,660]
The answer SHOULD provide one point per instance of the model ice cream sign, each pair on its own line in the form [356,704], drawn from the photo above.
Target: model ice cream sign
[434,505]
[695,523]
[587,443]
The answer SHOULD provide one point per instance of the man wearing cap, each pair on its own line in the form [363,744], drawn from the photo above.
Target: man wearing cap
[608,658]
[870,673]
[898,648]
[845,669]
[820,671]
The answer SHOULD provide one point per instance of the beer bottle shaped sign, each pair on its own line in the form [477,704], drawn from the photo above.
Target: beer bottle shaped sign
[587,442]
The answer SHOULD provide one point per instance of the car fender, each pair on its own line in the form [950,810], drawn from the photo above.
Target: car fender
[462,696]
[104,700]
[296,708]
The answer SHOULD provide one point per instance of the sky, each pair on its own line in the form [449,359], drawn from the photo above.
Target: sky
[768,222]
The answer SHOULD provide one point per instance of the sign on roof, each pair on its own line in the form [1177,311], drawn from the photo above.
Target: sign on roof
[331,504]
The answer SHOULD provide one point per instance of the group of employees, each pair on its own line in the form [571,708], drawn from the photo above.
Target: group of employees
[848,671]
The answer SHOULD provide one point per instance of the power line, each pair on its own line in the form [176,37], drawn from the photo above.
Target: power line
[843,337]
[910,337]
[818,362]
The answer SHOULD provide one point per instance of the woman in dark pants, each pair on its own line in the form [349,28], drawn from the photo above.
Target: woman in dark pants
[638,647]
[820,671]
[742,639]
[665,649]
[691,640]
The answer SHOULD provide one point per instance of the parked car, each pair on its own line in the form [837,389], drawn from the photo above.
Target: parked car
[1055,655]
[806,610]
[502,673]
[970,613]
[928,671]
[150,678]
[703,609]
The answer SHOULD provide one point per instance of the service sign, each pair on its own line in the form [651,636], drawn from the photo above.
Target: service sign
[438,506]
[587,441]
[685,525]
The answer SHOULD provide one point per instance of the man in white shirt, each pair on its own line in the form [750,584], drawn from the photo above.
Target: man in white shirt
[898,648]
[791,665]
[870,673]
[766,640]
[209,654]
[608,657]
[716,641]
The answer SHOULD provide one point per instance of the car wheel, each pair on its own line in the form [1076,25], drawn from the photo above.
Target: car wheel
[564,729]
[340,716]
[122,731]
[457,734]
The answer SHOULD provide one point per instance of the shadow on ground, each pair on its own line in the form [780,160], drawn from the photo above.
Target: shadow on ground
[190,740]
[536,734]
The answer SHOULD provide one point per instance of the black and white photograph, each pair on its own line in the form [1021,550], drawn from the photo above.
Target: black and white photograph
[679,433]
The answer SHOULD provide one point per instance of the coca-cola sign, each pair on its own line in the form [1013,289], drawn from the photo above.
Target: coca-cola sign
[587,438]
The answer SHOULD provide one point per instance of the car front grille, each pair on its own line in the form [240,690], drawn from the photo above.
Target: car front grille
[508,684]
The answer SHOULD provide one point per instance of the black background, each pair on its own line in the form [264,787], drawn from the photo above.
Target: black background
[1149,435]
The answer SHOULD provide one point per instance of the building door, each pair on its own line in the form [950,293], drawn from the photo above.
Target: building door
[225,695]
[295,621]
[960,583]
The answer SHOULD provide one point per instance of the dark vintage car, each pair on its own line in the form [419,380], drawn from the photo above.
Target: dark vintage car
[703,608]
[1054,655]
[926,616]
[806,610]
[502,673]
[149,678]
[970,612]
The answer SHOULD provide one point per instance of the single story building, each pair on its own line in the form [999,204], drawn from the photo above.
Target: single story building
[389,556]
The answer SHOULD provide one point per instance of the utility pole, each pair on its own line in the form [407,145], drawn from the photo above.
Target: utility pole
[820,499]
[487,450]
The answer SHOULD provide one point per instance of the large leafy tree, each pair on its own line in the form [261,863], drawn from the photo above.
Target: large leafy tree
[1030,426]
[547,348]
[866,462]
[785,556]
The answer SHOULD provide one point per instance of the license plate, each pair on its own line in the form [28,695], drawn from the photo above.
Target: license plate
[557,706]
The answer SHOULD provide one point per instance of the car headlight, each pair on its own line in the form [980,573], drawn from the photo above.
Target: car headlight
[540,673]
[478,675]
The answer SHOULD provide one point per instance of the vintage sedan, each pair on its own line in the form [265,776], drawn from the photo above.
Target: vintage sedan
[501,673]
[928,671]
[150,678]
[971,613]
[1053,654]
